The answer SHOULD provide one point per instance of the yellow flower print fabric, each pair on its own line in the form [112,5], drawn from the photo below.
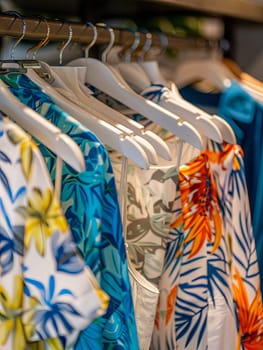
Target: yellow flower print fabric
[46,292]
[42,217]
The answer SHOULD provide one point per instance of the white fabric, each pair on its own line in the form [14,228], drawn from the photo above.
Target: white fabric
[145,297]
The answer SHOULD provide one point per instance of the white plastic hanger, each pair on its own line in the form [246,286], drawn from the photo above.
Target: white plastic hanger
[157,143]
[147,147]
[212,126]
[108,134]
[192,70]
[141,75]
[111,136]
[48,134]
[225,129]
[66,81]
[213,70]
[73,79]
[137,78]
[100,75]
[197,116]
[154,73]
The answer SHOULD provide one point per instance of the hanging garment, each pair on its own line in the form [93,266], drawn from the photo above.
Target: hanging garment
[150,196]
[90,203]
[215,309]
[150,199]
[246,118]
[44,285]
[227,167]
[150,209]
[144,293]
[209,289]
[147,218]
[195,311]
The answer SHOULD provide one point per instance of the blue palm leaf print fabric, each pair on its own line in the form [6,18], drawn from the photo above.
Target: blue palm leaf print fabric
[210,287]
[90,203]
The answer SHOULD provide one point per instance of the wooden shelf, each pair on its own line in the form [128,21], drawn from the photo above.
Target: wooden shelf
[251,10]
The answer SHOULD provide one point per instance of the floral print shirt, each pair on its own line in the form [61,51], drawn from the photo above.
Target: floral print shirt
[91,207]
[44,285]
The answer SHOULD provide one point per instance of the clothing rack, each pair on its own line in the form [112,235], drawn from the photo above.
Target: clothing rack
[36,29]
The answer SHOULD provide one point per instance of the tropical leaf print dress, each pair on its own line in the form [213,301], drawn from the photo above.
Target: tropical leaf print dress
[227,166]
[44,285]
[209,290]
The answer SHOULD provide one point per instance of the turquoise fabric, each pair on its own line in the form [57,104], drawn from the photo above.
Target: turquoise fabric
[245,115]
[90,203]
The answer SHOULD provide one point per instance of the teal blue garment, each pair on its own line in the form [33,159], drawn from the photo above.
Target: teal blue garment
[245,115]
[90,203]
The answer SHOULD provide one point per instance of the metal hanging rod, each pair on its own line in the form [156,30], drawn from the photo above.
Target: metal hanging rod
[36,30]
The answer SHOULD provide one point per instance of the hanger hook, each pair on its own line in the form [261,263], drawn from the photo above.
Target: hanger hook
[147,44]
[42,42]
[111,42]
[17,15]
[164,42]
[94,38]
[135,44]
[66,44]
